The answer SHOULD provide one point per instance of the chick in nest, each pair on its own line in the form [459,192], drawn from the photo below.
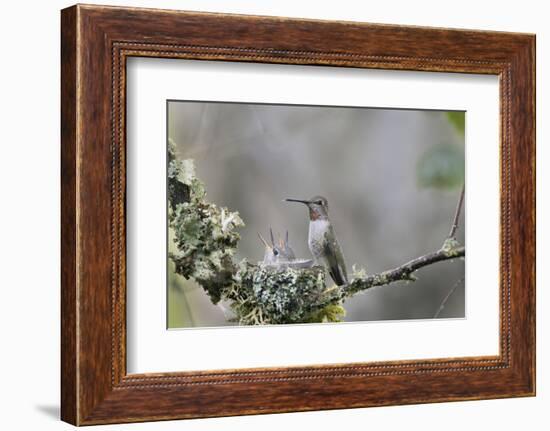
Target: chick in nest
[280,255]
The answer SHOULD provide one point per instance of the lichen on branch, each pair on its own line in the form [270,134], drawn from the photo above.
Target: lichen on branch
[267,295]
[205,234]
[404,272]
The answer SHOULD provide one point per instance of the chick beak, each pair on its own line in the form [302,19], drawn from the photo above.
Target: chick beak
[267,246]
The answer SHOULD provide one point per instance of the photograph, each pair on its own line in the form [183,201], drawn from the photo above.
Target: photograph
[265,210]
[299,214]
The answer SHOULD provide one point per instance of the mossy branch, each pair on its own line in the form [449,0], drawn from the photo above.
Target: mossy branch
[206,238]
[404,272]
[362,281]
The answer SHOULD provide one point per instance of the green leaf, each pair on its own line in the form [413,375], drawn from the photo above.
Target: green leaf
[458,120]
[441,167]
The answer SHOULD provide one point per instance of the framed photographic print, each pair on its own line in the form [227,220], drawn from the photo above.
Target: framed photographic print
[264,214]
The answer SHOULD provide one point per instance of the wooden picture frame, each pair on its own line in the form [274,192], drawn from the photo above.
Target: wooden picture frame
[95,43]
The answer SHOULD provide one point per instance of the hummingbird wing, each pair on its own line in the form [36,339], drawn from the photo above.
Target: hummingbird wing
[335,258]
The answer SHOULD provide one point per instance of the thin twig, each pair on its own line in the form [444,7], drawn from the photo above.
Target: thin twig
[442,306]
[404,272]
[401,273]
[454,226]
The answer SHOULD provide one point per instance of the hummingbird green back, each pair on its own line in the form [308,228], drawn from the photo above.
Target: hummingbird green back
[322,240]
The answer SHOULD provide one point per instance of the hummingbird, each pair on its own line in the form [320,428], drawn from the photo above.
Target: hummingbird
[322,240]
[277,252]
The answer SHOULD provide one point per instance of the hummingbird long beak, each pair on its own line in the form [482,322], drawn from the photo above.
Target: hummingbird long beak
[298,200]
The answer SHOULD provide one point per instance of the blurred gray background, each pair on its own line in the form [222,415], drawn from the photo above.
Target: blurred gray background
[380,170]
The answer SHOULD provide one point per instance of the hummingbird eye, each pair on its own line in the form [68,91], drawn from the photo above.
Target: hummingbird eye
[319,202]
[275,252]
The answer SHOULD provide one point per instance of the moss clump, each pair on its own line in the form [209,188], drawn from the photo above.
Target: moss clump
[266,295]
[178,178]
[329,313]
[205,234]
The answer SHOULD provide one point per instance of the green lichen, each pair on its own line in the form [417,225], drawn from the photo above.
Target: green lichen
[205,235]
[329,313]
[265,295]
[450,247]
